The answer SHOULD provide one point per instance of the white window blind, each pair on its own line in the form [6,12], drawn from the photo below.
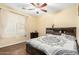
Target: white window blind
[14,24]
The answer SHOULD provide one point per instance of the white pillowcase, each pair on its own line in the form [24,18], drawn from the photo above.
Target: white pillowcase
[69,37]
[52,35]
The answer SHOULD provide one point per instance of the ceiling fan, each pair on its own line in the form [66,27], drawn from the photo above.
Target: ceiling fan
[40,6]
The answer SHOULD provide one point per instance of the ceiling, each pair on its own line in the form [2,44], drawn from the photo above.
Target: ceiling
[29,8]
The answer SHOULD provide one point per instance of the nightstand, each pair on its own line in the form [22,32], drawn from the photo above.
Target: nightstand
[33,35]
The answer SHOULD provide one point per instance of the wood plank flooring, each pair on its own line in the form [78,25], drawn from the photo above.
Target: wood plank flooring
[17,49]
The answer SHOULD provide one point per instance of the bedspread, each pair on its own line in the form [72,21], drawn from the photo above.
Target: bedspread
[55,45]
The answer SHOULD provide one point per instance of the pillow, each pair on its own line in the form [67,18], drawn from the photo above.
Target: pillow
[52,35]
[69,37]
[49,34]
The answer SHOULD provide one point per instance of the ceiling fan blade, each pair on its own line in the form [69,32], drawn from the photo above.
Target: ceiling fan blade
[33,4]
[44,10]
[43,5]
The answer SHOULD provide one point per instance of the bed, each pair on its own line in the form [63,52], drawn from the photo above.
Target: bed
[54,43]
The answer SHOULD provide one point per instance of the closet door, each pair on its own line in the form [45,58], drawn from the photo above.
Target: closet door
[12,24]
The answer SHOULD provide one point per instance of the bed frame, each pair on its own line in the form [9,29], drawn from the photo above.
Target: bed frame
[57,31]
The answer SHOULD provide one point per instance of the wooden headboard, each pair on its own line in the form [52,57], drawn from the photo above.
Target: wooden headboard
[58,31]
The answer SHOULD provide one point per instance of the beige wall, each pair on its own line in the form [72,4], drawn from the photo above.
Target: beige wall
[78,29]
[31,25]
[65,18]
[44,21]
[77,23]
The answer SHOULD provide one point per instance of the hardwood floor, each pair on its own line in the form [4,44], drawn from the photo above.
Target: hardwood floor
[17,49]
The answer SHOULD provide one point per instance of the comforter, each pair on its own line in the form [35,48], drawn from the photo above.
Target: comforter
[55,44]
